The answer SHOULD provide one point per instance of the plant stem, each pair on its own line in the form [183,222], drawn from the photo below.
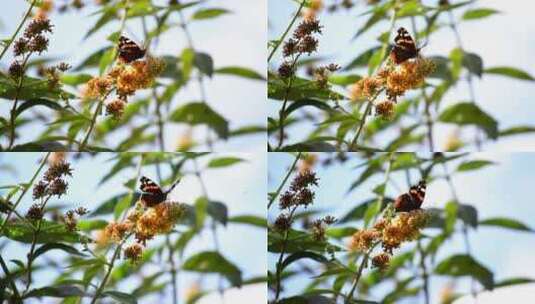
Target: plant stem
[281,257]
[19,27]
[107,275]
[200,78]
[282,113]
[361,126]
[11,281]
[425,275]
[154,93]
[13,111]
[279,189]
[32,248]
[93,122]
[281,39]
[427,110]
[357,276]
[26,187]
[173,269]
[469,80]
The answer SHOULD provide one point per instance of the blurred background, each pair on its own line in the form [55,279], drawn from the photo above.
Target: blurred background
[243,193]
[503,39]
[502,189]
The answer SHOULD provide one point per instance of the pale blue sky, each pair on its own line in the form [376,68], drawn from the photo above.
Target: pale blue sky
[505,39]
[503,190]
[244,193]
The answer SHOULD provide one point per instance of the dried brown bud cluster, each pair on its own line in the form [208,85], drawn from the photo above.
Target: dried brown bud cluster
[322,73]
[302,42]
[394,80]
[71,217]
[33,41]
[299,194]
[52,182]
[390,232]
[319,227]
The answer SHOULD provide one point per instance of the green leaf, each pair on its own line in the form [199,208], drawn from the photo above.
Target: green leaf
[186,58]
[218,211]
[224,162]
[301,89]
[473,165]
[201,205]
[213,262]
[240,72]
[108,206]
[470,114]
[107,16]
[344,80]
[473,62]
[50,232]
[513,281]
[517,130]
[307,103]
[121,297]
[56,292]
[198,113]
[468,214]
[204,63]
[32,88]
[209,13]
[303,255]
[38,102]
[504,222]
[465,265]
[479,13]
[52,246]
[250,220]
[509,72]
[75,79]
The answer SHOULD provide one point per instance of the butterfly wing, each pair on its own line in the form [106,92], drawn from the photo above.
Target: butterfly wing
[411,200]
[129,50]
[152,194]
[404,48]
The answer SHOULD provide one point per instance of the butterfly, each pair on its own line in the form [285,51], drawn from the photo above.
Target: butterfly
[128,50]
[152,194]
[404,48]
[411,200]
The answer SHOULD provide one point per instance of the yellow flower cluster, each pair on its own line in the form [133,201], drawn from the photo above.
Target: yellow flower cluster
[144,223]
[405,226]
[126,79]
[314,8]
[45,8]
[307,163]
[395,80]
[391,232]
[363,240]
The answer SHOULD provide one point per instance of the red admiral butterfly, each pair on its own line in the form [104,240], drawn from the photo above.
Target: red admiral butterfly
[404,48]
[128,50]
[152,194]
[411,200]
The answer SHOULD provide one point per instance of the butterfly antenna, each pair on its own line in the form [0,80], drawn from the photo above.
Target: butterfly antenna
[174,185]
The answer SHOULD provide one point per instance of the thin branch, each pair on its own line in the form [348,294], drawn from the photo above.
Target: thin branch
[281,257]
[11,281]
[19,27]
[281,39]
[26,187]
[111,263]
[279,189]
